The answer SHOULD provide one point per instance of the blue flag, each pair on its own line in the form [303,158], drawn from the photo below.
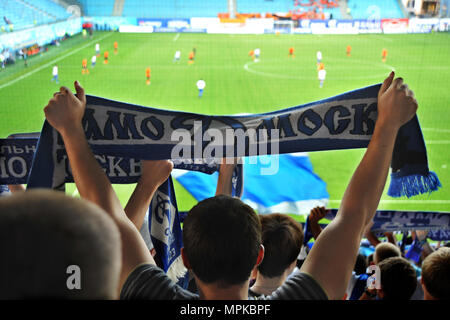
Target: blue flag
[282,183]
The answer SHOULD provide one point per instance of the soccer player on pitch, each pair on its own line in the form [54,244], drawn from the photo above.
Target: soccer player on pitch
[322,73]
[147,74]
[291,52]
[84,66]
[93,60]
[55,74]
[319,57]
[177,56]
[201,84]
[106,55]
[384,53]
[349,50]
[191,57]
[257,53]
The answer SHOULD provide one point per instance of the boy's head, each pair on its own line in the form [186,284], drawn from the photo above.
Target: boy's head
[282,238]
[436,274]
[398,279]
[42,234]
[385,250]
[222,240]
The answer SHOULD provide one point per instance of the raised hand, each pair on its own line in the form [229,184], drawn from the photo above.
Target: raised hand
[396,102]
[65,110]
[317,214]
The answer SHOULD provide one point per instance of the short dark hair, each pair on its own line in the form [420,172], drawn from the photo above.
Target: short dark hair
[42,233]
[282,238]
[360,264]
[398,278]
[222,238]
[436,273]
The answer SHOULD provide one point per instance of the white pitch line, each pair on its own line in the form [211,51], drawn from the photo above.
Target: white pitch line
[176,37]
[26,75]
[405,201]
[436,130]
[437,141]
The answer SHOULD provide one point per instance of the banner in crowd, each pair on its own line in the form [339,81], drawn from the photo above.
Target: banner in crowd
[437,223]
[392,220]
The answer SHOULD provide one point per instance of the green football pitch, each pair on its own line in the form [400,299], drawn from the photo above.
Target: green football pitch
[236,84]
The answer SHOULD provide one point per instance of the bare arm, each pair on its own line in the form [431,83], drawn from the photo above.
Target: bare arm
[16,188]
[316,214]
[224,183]
[64,112]
[371,237]
[333,256]
[154,173]
[391,238]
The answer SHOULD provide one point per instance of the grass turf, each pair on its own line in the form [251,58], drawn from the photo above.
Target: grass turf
[236,84]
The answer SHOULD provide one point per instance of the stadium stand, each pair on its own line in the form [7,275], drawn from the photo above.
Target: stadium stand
[22,14]
[198,8]
[374,9]
[100,7]
[173,8]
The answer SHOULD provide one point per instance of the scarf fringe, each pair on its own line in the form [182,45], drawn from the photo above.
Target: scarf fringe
[177,269]
[413,185]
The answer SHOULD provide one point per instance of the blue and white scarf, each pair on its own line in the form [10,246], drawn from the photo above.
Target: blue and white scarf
[345,121]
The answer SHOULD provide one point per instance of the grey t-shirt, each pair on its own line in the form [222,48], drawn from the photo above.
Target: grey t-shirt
[149,282]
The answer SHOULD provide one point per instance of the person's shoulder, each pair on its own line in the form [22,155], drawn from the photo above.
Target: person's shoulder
[300,286]
[149,282]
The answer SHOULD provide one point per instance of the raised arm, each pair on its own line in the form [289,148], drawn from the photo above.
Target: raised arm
[224,183]
[65,112]
[153,174]
[316,214]
[16,188]
[333,256]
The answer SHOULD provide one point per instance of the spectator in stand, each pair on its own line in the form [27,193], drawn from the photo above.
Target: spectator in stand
[436,275]
[397,279]
[7,21]
[56,247]
[282,238]
[2,60]
[222,235]
[385,250]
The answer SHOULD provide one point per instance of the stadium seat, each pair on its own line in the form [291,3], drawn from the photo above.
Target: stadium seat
[27,14]
[173,8]
[98,7]
[374,9]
